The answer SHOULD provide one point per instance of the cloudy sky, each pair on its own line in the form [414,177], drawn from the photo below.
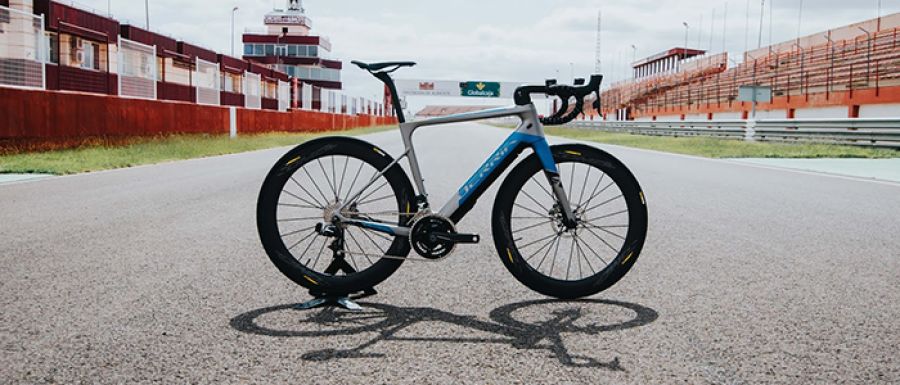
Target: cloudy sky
[508,40]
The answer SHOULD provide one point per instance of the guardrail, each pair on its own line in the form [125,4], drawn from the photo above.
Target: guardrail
[870,132]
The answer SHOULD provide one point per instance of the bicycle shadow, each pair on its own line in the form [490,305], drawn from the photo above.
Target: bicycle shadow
[387,321]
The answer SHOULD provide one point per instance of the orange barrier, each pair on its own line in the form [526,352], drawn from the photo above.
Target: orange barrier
[39,120]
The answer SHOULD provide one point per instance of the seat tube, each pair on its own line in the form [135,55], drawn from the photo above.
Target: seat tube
[406,131]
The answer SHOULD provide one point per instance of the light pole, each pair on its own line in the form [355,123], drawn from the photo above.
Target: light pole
[762,12]
[687,28]
[147,13]
[233,10]
[633,59]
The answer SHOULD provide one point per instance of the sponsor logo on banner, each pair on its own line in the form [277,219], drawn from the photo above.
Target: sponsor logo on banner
[480,89]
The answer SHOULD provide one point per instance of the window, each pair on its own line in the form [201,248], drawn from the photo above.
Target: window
[280,50]
[301,51]
[292,50]
[313,51]
[88,55]
[248,49]
[50,44]
[258,49]
[270,50]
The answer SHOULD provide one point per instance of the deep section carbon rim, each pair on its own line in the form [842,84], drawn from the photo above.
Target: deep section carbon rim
[312,195]
[544,242]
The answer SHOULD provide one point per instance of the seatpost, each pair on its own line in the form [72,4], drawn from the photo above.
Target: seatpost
[395,101]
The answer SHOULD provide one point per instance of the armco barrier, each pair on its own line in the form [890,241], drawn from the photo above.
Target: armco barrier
[869,132]
[36,120]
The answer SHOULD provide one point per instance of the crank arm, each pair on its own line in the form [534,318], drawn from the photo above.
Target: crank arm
[458,238]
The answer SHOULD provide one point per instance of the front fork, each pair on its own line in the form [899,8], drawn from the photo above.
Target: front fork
[569,219]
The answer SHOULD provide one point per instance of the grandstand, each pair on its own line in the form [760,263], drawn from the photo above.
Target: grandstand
[851,71]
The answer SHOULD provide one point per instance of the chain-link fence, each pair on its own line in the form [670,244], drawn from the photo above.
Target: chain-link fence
[137,70]
[206,80]
[21,49]
[252,91]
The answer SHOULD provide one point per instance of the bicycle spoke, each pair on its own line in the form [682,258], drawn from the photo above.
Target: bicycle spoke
[572,179]
[584,185]
[571,252]
[358,245]
[607,231]
[534,200]
[373,232]
[325,174]
[606,216]
[298,219]
[542,248]
[594,193]
[555,253]
[596,254]
[297,232]
[583,254]
[343,176]
[556,242]
[602,240]
[373,191]
[374,243]
[527,209]
[320,205]
[377,199]
[353,184]
[541,186]
[539,240]
[533,226]
[301,241]
[316,185]
[577,254]
[298,206]
[604,203]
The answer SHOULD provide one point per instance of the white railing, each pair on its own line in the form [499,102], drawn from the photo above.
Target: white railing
[137,70]
[206,81]
[22,49]
[252,91]
[284,96]
[871,132]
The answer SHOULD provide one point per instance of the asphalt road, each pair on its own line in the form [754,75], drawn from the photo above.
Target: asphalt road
[156,275]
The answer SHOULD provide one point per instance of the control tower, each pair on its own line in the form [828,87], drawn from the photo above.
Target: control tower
[288,45]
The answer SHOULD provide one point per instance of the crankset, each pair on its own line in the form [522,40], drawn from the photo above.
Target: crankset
[434,237]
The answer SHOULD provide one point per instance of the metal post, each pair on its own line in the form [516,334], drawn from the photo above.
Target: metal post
[233,10]
[147,13]
[762,11]
[44,51]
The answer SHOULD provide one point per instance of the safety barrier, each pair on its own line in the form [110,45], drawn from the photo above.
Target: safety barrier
[875,132]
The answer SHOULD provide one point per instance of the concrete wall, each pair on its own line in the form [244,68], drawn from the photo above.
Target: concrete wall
[837,112]
[879,111]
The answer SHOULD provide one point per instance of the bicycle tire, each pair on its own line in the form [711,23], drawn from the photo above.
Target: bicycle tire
[508,246]
[309,154]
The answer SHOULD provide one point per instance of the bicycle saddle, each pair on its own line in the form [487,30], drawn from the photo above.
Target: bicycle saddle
[380,66]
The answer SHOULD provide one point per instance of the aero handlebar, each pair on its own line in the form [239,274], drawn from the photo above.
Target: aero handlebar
[564,92]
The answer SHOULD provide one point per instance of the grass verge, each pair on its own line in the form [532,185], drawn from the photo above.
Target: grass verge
[723,148]
[153,150]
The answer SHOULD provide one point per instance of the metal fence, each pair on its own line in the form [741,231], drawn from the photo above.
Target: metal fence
[871,132]
[206,80]
[137,70]
[22,49]
[284,96]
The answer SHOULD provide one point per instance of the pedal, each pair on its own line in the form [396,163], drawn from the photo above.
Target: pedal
[470,239]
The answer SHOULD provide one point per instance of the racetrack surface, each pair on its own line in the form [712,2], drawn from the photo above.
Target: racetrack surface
[155,275]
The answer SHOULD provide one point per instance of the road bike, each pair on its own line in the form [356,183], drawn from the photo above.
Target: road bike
[339,215]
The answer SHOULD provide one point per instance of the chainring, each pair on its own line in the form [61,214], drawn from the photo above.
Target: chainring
[423,240]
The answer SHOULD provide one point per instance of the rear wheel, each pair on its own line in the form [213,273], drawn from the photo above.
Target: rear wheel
[305,188]
[537,247]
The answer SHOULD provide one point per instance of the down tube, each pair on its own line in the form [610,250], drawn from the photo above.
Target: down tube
[496,164]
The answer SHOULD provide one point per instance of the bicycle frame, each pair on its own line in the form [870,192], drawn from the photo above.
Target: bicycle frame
[529,133]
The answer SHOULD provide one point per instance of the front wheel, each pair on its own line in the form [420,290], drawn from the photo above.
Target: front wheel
[541,252]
